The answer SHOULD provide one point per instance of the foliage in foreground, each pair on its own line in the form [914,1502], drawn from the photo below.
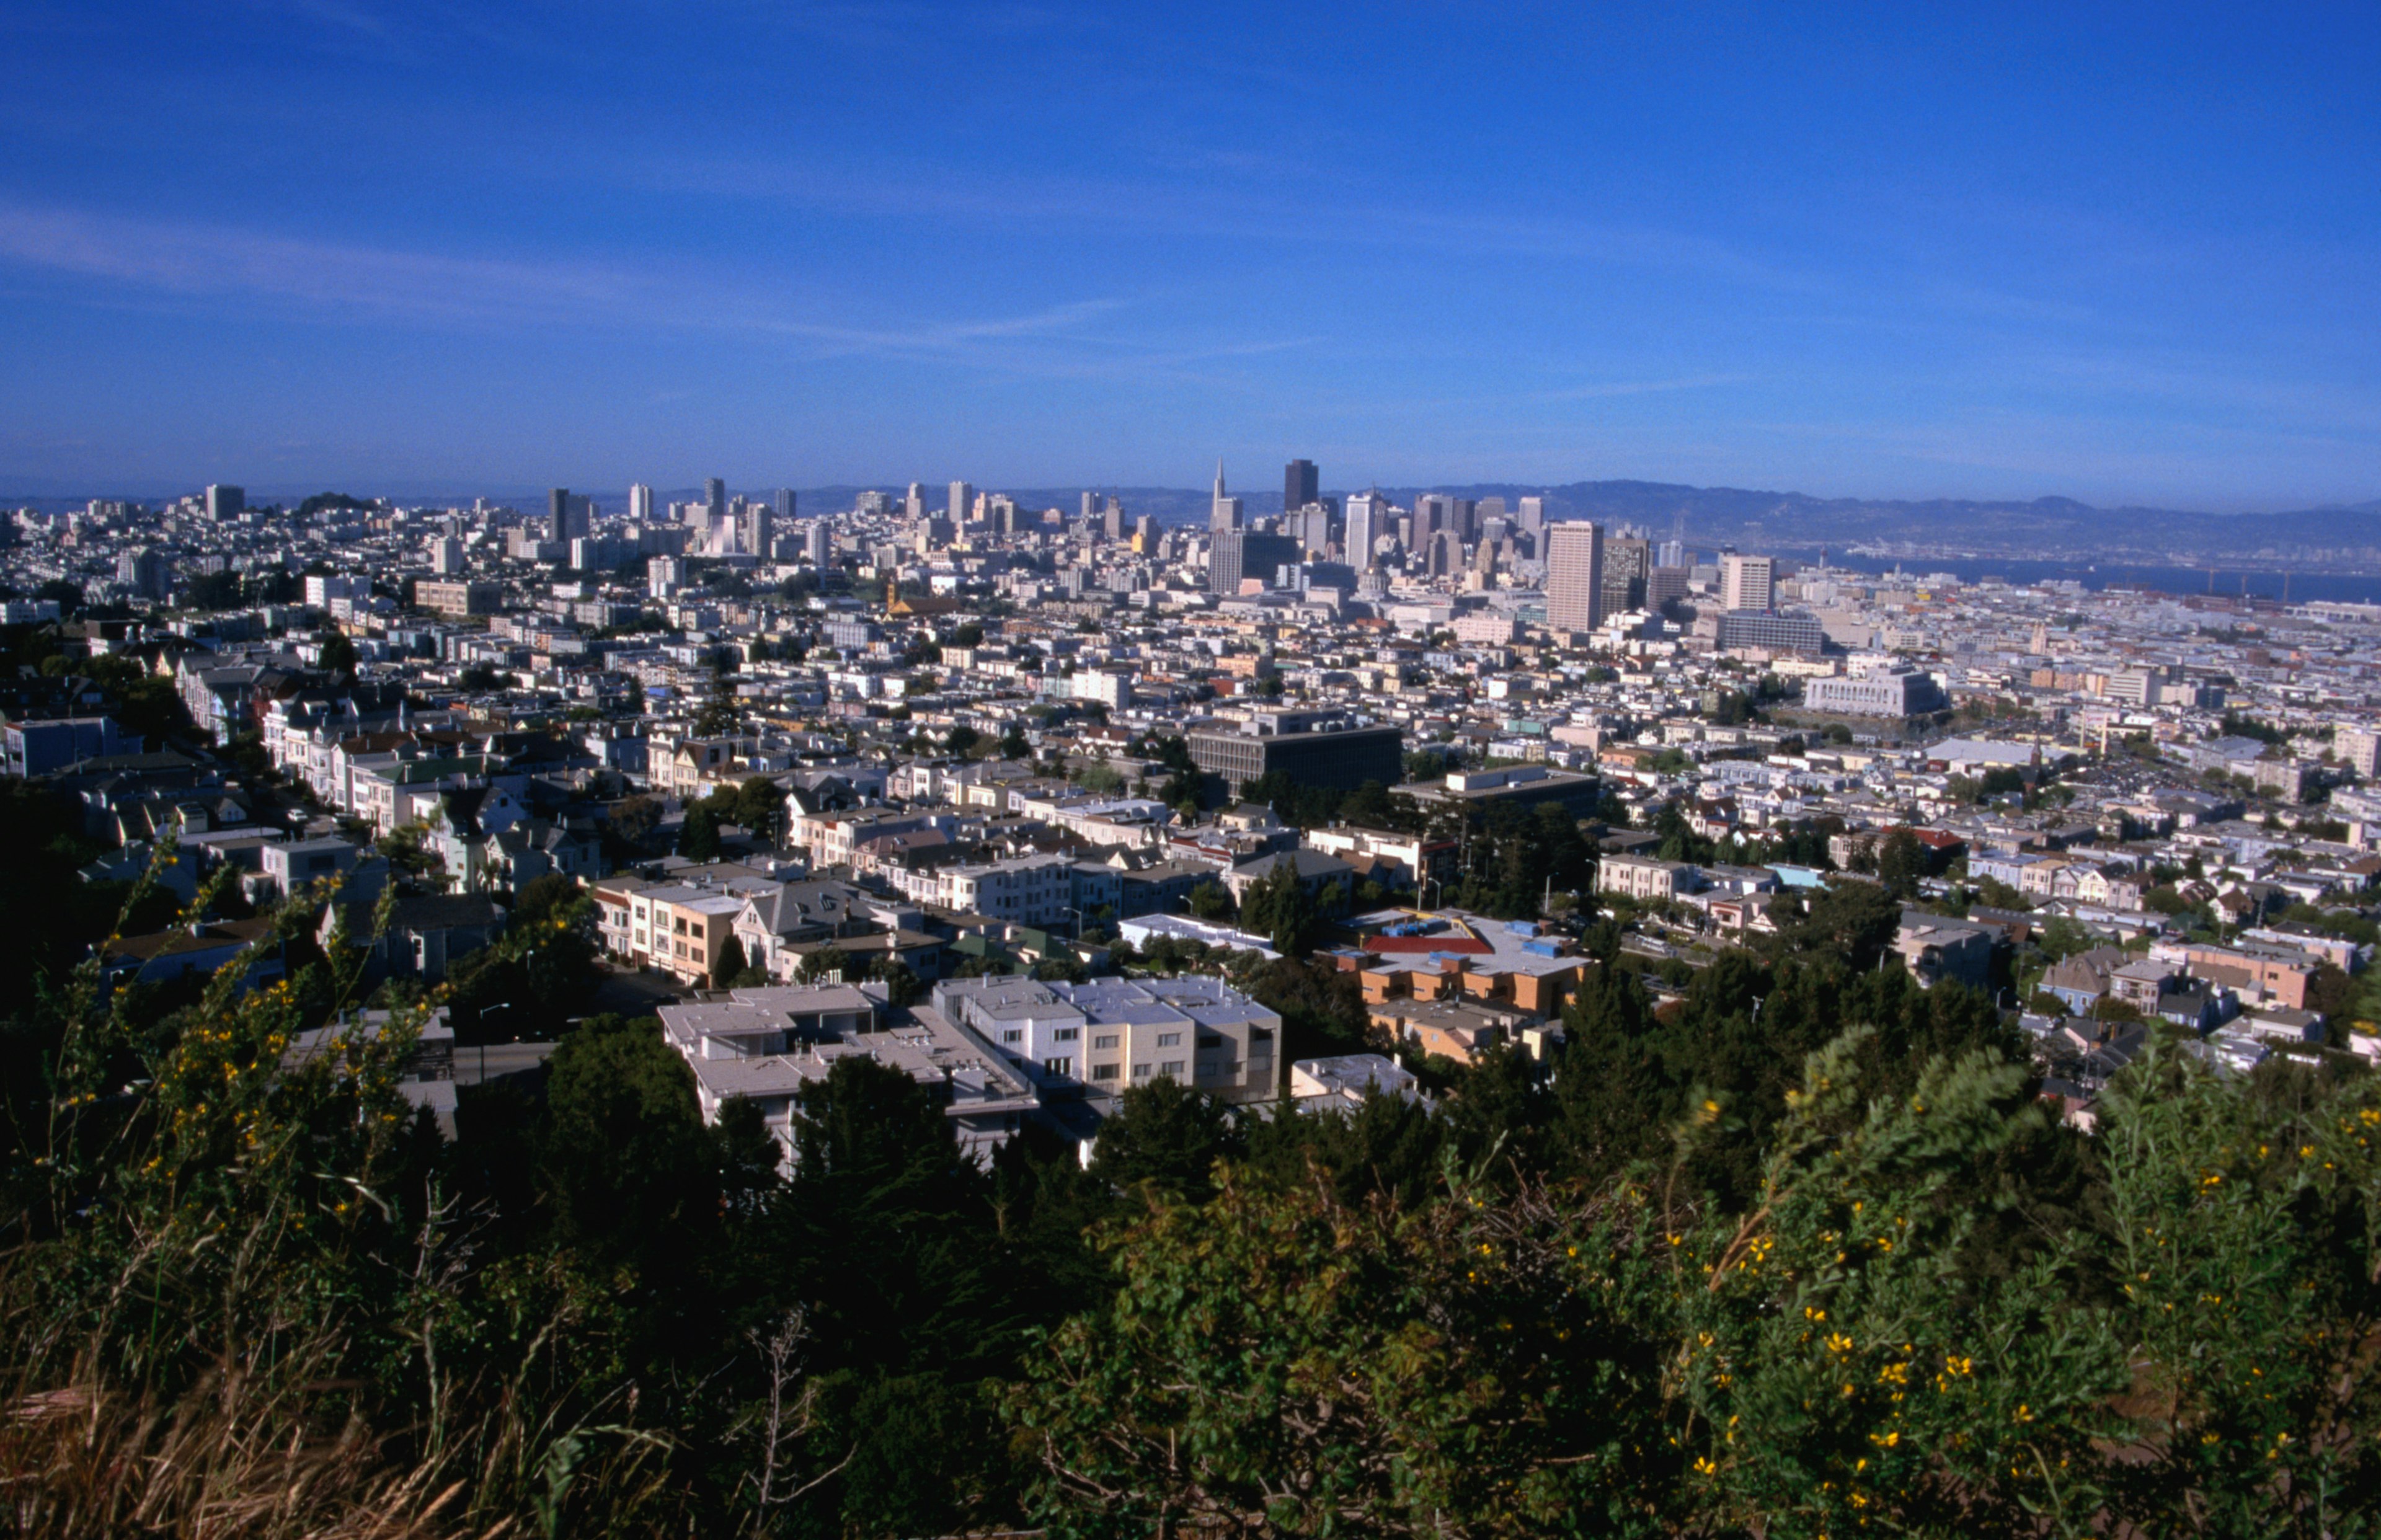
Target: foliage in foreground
[1803,1256]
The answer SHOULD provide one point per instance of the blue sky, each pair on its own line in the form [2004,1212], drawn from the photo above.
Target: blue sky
[2121,254]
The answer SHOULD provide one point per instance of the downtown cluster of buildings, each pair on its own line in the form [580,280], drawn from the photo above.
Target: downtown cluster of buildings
[988,729]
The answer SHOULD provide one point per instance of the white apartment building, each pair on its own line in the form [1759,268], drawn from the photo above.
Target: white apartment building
[1643,878]
[764,1046]
[1111,1034]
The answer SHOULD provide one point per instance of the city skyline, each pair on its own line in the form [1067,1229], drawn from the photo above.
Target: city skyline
[2095,257]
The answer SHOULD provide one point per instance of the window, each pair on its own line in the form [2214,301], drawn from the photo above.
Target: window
[1260,1034]
[1105,1039]
[1140,1071]
[1060,1066]
[1105,1071]
[1169,1040]
[1171,1067]
[1210,1040]
[1066,1034]
[1012,1035]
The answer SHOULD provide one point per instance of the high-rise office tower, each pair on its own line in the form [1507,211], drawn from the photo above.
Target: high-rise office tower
[1432,512]
[1747,582]
[1301,485]
[567,516]
[714,502]
[1236,554]
[818,543]
[1673,554]
[1112,514]
[1628,565]
[1314,525]
[759,517]
[1532,515]
[783,504]
[227,502]
[914,506]
[962,504]
[1459,512]
[641,504]
[1224,512]
[1363,529]
[1091,507]
[1574,576]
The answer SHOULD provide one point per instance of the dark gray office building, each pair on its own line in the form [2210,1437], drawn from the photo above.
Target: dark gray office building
[1301,485]
[1341,758]
[1771,632]
[1233,554]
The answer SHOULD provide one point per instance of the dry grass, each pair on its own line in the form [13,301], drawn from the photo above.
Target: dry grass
[232,1459]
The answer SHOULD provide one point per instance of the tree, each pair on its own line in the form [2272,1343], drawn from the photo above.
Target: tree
[338,655]
[1211,900]
[629,1169]
[1278,906]
[1166,1138]
[631,824]
[1901,861]
[408,849]
[731,967]
[1848,920]
[903,986]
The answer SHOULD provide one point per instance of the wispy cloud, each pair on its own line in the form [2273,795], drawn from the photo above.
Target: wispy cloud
[187,259]
[339,278]
[1611,389]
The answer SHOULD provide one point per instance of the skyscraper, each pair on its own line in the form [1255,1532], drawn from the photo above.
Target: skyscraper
[714,502]
[962,504]
[227,502]
[1531,513]
[1574,576]
[784,504]
[1628,566]
[1313,527]
[1091,507]
[1366,515]
[1747,582]
[759,521]
[641,504]
[818,544]
[1236,554]
[914,506]
[1225,513]
[567,516]
[1301,485]
[1112,514]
